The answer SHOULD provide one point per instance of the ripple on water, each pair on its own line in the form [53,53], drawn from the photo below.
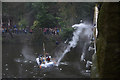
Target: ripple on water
[30,61]
[25,61]
[6,69]
[33,76]
[34,66]
[60,69]
[6,64]
[18,60]
[15,77]
[21,64]
[21,55]
[44,74]
[31,72]
[64,63]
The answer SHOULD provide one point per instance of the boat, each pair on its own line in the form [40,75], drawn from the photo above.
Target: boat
[46,63]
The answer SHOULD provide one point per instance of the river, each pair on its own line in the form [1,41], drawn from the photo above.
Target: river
[18,61]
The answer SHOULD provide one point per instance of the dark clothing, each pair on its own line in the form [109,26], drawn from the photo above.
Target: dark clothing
[46,55]
[48,59]
[57,43]
[40,61]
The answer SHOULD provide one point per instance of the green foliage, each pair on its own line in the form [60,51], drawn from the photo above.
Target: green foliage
[43,16]
[50,14]
[13,11]
[71,13]
[67,33]
[35,23]
[23,23]
[60,21]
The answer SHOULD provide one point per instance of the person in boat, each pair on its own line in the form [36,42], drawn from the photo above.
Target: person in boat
[40,60]
[47,55]
[48,59]
[43,60]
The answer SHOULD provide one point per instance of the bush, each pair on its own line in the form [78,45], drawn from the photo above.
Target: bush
[23,23]
[66,33]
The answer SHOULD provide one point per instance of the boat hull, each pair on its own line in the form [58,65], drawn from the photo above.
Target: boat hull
[46,64]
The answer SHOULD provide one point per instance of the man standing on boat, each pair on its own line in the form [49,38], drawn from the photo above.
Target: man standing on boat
[48,59]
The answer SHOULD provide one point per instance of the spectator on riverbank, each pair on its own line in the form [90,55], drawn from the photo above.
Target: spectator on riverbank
[31,31]
[58,31]
[51,31]
[3,31]
[25,31]
[45,31]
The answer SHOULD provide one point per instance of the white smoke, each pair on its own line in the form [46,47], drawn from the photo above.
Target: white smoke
[76,34]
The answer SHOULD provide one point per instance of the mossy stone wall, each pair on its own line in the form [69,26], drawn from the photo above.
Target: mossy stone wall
[108,41]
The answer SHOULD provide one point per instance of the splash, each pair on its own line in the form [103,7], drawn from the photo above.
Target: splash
[27,53]
[83,53]
[80,29]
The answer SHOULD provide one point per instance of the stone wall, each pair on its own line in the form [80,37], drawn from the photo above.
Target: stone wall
[108,42]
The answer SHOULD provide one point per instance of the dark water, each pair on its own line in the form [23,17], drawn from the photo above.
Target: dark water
[18,61]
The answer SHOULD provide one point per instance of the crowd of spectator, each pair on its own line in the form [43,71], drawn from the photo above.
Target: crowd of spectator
[18,30]
[51,31]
